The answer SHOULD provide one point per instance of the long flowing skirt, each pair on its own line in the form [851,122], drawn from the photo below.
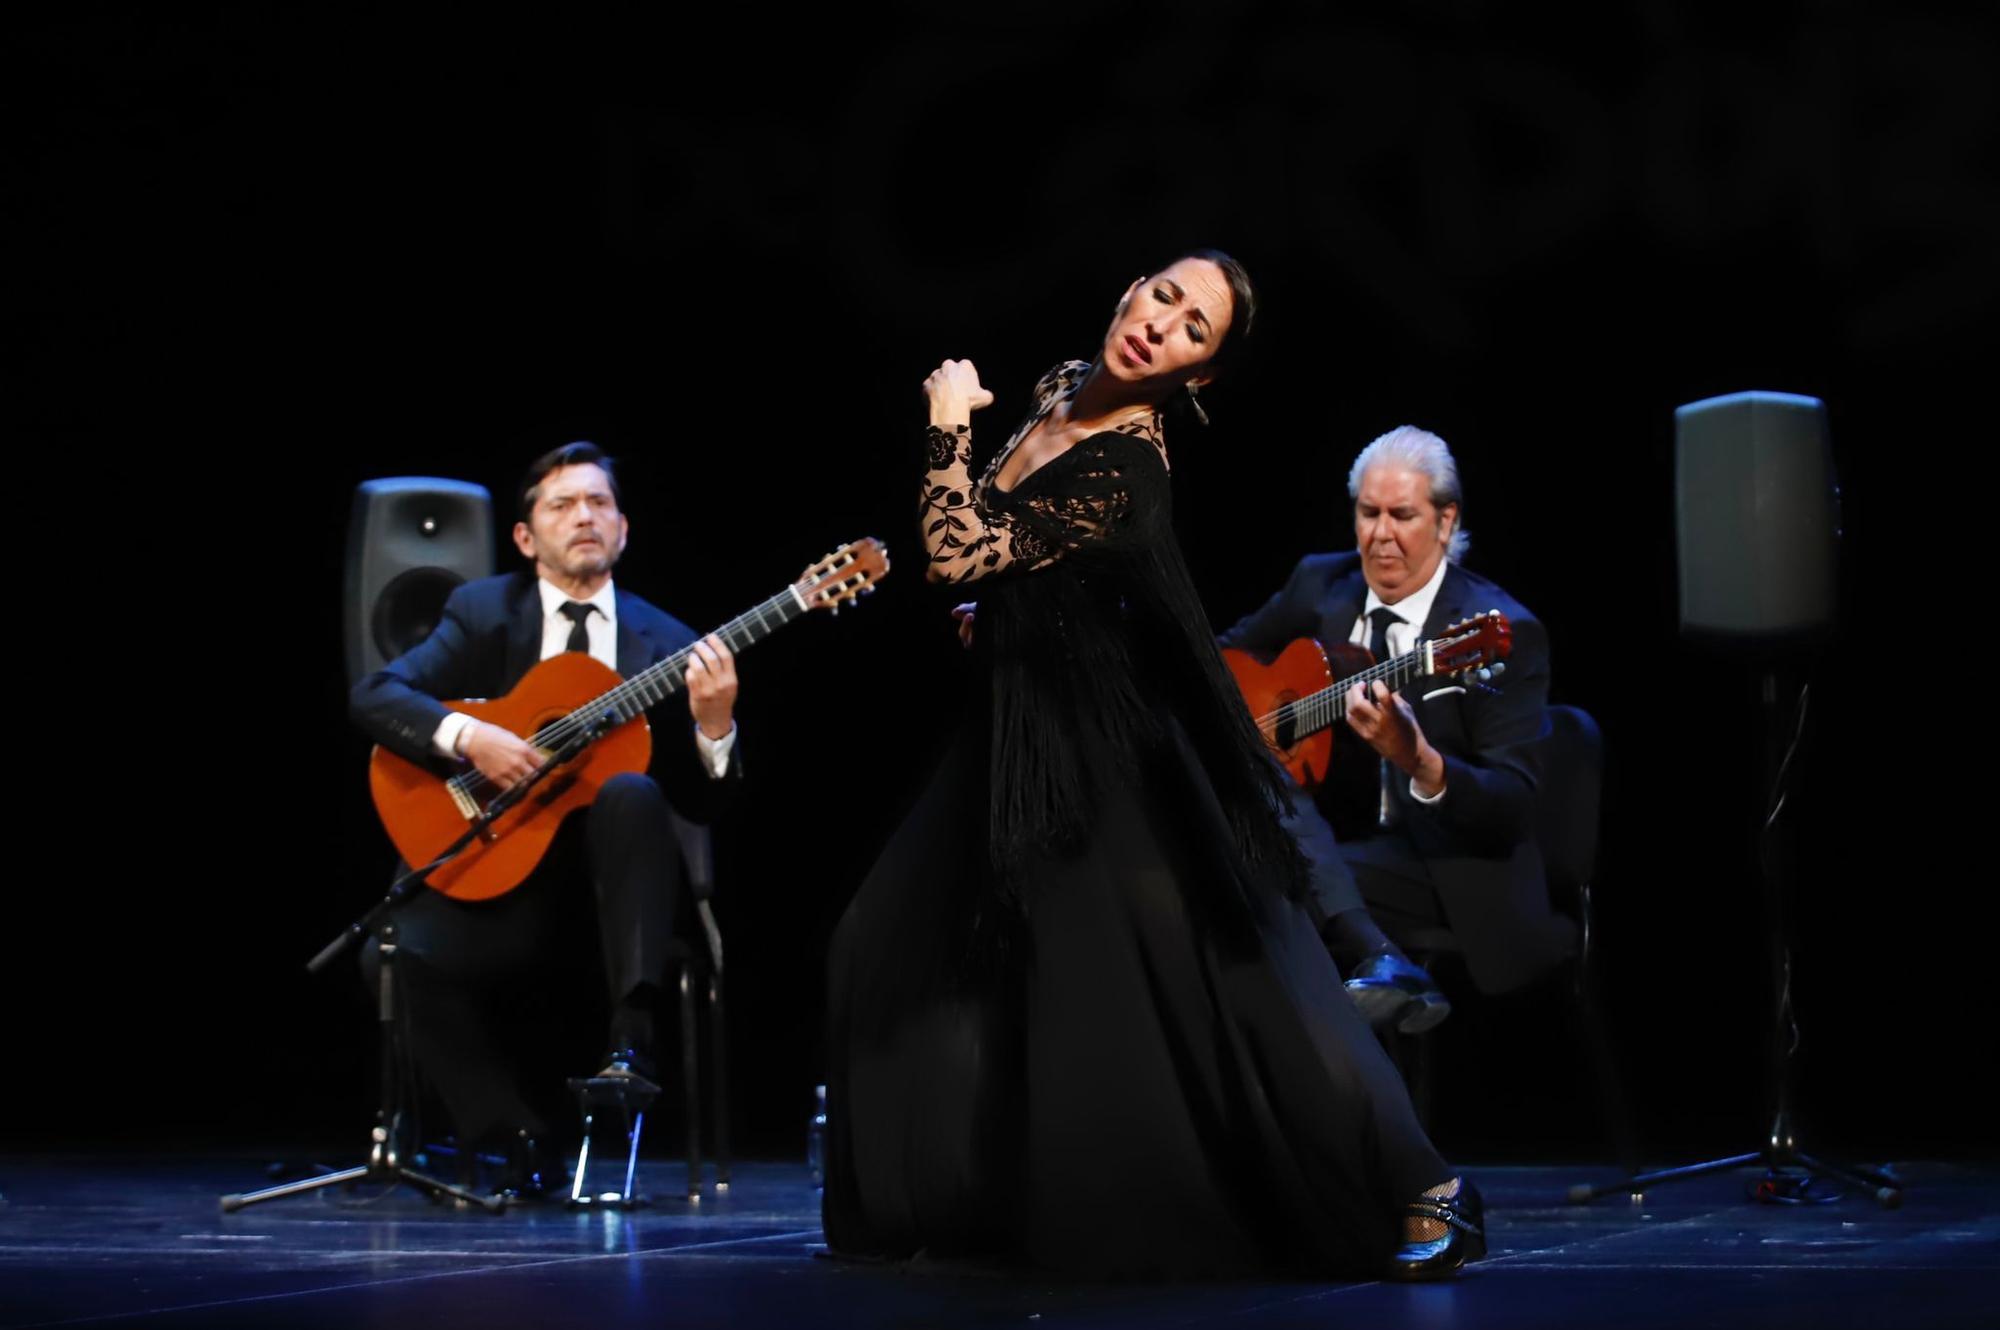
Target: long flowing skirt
[1144,1067]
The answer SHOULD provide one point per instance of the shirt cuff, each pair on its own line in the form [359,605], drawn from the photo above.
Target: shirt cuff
[1420,798]
[715,752]
[448,730]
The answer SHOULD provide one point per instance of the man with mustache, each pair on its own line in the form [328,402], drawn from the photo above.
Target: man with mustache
[476,971]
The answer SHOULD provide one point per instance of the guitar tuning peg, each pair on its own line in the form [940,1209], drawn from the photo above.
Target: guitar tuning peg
[1484,676]
[1499,667]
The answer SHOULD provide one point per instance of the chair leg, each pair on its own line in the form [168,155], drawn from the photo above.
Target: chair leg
[691,1085]
[635,1127]
[577,1178]
[718,1067]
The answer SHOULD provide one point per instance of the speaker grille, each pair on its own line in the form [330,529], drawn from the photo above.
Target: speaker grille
[410,541]
[410,607]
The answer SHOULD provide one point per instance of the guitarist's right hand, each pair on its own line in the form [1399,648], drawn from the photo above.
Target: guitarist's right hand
[502,756]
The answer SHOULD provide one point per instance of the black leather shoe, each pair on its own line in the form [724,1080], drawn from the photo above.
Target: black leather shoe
[1390,990]
[1464,1217]
[632,1063]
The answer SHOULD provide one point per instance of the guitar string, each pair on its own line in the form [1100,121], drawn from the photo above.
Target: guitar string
[649,687]
[1333,698]
[1329,704]
[664,678]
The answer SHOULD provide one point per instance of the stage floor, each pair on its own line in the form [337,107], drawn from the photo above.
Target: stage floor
[95,1240]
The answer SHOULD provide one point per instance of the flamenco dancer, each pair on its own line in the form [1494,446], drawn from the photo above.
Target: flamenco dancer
[1078,1015]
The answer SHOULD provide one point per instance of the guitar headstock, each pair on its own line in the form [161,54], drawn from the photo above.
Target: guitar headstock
[1476,644]
[848,572]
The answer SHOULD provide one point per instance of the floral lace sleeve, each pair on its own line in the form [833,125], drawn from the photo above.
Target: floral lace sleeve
[1103,491]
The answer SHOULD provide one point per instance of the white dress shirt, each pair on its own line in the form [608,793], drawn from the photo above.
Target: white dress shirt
[602,627]
[1401,638]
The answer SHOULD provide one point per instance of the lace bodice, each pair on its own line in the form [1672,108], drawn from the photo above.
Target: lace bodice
[1097,644]
[1102,490]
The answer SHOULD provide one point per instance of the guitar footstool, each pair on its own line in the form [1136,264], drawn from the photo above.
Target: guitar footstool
[631,1096]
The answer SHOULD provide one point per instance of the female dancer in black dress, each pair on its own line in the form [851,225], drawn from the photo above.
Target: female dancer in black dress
[1077,1016]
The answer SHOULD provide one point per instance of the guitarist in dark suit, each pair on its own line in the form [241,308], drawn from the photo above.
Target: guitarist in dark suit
[1452,839]
[475,971]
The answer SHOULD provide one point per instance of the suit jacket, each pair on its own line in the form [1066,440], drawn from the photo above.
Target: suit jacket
[489,636]
[1478,841]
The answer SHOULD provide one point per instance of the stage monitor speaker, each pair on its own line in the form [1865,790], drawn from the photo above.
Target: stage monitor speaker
[1758,515]
[410,541]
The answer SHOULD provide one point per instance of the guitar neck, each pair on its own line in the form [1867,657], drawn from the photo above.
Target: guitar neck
[661,680]
[1316,711]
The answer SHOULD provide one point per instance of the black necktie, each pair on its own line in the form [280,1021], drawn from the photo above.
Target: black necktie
[577,611]
[1379,620]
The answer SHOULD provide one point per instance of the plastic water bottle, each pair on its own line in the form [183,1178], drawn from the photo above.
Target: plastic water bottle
[816,1138]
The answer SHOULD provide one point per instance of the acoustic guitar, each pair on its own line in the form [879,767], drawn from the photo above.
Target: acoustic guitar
[553,703]
[1296,700]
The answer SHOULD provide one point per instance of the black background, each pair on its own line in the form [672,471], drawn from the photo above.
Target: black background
[264,255]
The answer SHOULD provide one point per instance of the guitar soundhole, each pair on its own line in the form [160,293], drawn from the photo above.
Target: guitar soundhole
[1286,733]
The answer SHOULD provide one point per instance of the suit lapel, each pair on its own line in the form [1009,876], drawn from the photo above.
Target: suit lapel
[524,631]
[1448,606]
[1342,607]
[635,649]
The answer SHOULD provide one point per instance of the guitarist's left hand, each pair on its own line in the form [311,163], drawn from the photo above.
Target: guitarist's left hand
[1384,722]
[711,680]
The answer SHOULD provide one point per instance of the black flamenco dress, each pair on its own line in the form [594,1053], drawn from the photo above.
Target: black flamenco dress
[1077,1017]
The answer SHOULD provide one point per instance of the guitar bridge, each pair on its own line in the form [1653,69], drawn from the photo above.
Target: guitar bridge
[468,807]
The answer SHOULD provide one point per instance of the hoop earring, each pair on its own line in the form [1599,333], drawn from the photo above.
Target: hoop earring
[1194,400]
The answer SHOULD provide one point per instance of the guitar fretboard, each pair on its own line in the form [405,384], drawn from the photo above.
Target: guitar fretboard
[1315,711]
[661,680]
[654,684]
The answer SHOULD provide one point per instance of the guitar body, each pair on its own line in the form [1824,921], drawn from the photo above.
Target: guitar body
[1300,670]
[426,814]
[1298,692]
[1350,789]
[423,818]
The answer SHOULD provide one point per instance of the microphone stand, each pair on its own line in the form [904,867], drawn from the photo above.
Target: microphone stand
[385,1158]
[1780,1153]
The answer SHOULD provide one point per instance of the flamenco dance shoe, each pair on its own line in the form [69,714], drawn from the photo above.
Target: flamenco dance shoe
[1391,990]
[1464,1218]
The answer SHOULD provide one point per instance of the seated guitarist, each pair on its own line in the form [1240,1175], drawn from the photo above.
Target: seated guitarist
[476,972]
[1450,842]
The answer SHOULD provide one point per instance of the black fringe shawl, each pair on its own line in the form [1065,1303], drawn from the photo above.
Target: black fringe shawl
[1109,635]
